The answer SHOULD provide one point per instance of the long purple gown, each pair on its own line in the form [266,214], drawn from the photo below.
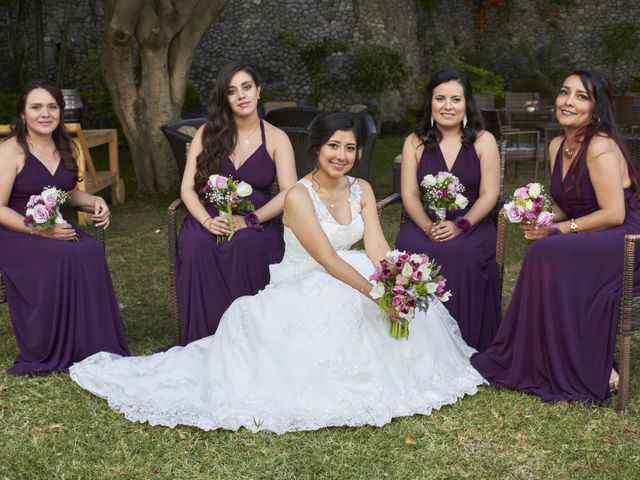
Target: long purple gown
[557,338]
[210,276]
[469,260]
[61,300]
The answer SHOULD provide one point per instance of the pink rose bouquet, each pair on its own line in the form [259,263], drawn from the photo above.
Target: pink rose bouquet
[529,205]
[443,192]
[228,196]
[407,282]
[43,211]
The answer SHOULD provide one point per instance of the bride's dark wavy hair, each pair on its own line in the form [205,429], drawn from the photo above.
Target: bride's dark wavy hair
[64,145]
[429,135]
[602,123]
[324,126]
[220,131]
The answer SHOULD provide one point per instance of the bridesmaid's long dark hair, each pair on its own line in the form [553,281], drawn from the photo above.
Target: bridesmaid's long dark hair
[429,135]
[220,131]
[64,145]
[602,123]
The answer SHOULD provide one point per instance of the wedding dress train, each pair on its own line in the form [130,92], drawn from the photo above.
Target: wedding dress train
[306,352]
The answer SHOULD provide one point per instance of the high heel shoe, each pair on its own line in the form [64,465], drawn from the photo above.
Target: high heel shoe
[614,381]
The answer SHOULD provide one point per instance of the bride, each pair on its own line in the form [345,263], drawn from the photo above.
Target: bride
[312,349]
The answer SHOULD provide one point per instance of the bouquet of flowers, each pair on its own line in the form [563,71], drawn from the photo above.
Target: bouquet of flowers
[407,282]
[43,211]
[228,196]
[443,192]
[530,205]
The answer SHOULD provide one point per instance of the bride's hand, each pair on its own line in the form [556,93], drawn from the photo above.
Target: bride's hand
[392,312]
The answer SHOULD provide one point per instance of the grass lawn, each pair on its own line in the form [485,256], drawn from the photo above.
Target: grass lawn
[50,428]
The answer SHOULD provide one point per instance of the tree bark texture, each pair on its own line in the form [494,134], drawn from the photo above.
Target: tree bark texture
[148,47]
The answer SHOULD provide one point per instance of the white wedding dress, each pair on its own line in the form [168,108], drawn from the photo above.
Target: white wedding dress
[306,352]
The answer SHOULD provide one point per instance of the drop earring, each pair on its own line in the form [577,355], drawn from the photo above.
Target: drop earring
[432,122]
[464,121]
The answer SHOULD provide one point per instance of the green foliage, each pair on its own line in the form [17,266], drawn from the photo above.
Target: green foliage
[287,39]
[619,40]
[376,67]
[540,68]
[314,55]
[634,86]
[8,102]
[99,101]
[485,81]
[192,101]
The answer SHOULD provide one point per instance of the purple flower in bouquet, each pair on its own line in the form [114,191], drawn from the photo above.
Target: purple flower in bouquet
[228,196]
[443,192]
[529,204]
[43,211]
[407,282]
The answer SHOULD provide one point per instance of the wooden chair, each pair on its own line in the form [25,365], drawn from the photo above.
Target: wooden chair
[517,101]
[484,100]
[521,145]
[95,180]
[499,219]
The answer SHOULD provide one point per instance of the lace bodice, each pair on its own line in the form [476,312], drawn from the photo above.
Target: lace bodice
[296,259]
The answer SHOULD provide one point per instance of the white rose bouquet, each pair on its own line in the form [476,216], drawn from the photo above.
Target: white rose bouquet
[228,196]
[443,192]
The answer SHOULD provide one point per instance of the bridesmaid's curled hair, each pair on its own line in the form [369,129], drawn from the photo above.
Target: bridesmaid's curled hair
[429,135]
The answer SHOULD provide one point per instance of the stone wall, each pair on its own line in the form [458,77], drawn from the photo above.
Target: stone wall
[546,38]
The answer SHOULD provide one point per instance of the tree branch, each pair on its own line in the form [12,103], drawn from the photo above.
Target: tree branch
[183,46]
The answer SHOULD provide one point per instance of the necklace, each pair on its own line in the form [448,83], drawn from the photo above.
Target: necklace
[570,151]
[247,140]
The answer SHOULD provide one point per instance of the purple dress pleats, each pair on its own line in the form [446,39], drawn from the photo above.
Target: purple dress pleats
[210,276]
[469,260]
[61,300]
[557,338]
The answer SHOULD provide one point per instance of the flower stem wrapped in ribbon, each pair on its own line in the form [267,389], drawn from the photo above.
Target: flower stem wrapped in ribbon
[43,211]
[228,196]
[529,204]
[443,192]
[406,282]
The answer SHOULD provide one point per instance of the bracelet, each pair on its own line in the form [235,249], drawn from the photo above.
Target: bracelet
[204,222]
[251,221]
[34,231]
[462,224]
[573,225]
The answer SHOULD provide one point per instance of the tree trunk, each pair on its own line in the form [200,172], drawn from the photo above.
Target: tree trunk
[164,38]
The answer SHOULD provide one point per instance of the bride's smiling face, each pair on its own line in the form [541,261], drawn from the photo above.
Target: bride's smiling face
[338,154]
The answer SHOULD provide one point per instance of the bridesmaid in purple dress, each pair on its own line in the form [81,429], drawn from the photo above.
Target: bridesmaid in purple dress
[448,137]
[557,339]
[61,300]
[234,142]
